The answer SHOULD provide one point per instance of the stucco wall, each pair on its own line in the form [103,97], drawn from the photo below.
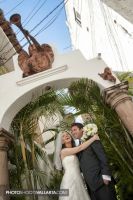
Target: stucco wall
[16,92]
[123,7]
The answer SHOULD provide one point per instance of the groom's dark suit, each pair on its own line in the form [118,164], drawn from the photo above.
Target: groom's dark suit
[93,164]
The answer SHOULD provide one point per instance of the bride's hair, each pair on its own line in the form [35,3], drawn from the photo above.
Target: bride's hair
[58,147]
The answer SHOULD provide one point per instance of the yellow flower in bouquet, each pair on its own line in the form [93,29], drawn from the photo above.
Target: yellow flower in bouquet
[89,130]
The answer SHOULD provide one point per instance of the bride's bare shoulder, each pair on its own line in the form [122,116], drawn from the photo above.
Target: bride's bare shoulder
[63,151]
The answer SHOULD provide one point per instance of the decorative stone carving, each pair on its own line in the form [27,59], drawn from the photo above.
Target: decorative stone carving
[107,75]
[117,97]
[37,60]
[5,139]
[5,25]
[39,57]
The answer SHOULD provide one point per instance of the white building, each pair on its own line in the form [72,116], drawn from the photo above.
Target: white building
[97,29]
[123,7]
[6,52]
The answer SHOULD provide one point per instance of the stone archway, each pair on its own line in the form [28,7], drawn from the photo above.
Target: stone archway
[17,91]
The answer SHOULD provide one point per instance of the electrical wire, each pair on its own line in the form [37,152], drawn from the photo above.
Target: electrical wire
[30,31]
[51,12]
[29,14]
[7,14]
[17,32]
[15,7]
[35,12]
[26,22]
[37,26]
[51,21]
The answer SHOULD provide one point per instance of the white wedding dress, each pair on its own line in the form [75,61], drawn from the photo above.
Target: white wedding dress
[72,180]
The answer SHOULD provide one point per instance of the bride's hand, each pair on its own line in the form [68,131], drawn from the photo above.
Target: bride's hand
[96,137]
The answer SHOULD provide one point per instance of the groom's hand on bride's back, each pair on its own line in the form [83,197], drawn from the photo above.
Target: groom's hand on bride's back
[96,137]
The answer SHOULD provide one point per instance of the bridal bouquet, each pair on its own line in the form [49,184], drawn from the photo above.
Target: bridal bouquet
[89,130]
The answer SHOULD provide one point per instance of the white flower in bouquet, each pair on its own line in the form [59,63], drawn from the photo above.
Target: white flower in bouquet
[89,130]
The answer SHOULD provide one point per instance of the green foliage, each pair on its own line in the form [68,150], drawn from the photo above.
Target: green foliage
[128,76]
[85,96]
[25,154]
[55,182]
[3,70]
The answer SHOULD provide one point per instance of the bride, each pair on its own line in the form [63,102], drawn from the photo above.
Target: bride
[65,158]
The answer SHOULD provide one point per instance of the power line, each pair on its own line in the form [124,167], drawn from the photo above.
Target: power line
[29,13]
[35,12]
[36,27]
[17,32]
[40,22]
[7,14]
[68,47]
[15,7]
[47,16]
[31,10]
[51,21]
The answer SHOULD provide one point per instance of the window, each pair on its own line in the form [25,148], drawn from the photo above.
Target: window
[77,17]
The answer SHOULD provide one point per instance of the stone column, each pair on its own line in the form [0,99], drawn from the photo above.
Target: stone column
[5,139]
[118,98]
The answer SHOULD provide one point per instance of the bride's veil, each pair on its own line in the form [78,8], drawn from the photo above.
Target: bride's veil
[58,147]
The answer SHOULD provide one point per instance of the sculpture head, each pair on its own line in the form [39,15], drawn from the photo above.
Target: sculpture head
[107,70]
[49,52]
[16,20]
[40,57]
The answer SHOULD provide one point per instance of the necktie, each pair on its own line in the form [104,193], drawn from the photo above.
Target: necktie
[80,142]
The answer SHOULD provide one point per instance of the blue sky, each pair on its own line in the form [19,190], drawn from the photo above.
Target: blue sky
[56,34]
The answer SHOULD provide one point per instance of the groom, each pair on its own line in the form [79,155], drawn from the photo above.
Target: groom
[93,164]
